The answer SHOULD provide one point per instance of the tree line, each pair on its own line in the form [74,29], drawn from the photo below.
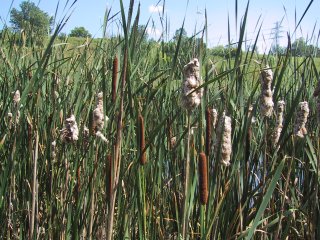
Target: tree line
[35,24]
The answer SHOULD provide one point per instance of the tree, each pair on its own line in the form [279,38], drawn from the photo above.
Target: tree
[31,21]
[179,31]
[79,32]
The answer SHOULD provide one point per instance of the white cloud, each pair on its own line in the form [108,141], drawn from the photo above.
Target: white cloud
[155,9]
[153,32]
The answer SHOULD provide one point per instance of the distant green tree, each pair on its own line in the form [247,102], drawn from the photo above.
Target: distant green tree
[62,36]
[79,32]
[179,31]
[301,48]
[31,21]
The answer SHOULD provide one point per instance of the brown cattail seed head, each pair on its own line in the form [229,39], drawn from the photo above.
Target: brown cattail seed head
[143,157]
[223,140]
[114,78]
[266,103]
[301,120]
[70,132]
[279,126]
[203,178]
[191,98]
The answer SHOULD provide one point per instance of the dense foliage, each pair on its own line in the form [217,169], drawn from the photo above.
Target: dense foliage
[60,179]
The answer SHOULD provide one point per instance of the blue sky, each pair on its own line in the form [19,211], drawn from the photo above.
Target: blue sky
[90,14]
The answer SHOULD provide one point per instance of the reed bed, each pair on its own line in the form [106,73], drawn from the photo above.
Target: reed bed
[67,172]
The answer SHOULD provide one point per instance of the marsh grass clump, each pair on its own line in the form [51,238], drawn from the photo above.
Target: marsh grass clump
[266,102]
[300,129]
[191,95]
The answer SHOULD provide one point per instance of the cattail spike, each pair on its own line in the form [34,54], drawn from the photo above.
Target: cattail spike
[203,178]
[143,158]
[70,132]
[191,97]
[266,102]
[279,121]
[114,78]
[301,119]
[223,146]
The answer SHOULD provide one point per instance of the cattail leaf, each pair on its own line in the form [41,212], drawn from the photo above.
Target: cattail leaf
[266,199]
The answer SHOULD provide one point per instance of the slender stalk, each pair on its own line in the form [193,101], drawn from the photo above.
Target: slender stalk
[117,150]
[186,183]
[34,186]
[278,232]
[92,207]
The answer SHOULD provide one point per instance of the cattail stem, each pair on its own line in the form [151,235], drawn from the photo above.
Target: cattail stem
[117,149]
[143,158]
[92,204]
[114,79]
[109,177]
[34,186]
[208,131]
[186,181]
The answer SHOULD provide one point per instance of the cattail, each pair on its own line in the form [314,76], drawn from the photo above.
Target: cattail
[203,178]
[53,149]
[279,121]
[301,120]
[16,98]
[191,98]
[208,130]
[9,120]
[114,78]
[86,134]
[70,132]
[223,140]
[98,116]
[143,158]
[266,103]
[101,136]
[173,142]
[214,115]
